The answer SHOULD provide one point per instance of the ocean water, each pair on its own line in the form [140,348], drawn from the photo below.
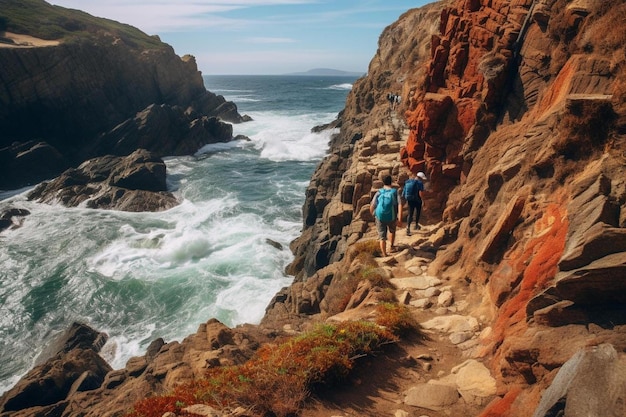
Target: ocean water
[140,276]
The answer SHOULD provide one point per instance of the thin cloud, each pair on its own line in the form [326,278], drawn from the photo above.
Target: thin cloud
[345,17]
[259,36]
[154,16]
[272,61]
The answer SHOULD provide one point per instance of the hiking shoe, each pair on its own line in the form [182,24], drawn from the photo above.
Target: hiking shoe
[408,231]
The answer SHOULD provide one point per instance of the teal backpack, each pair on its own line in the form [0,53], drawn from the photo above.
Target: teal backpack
[411,190]
[386,205]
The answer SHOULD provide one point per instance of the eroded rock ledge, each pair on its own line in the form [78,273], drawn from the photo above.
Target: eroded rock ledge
[520,265]
[132,183]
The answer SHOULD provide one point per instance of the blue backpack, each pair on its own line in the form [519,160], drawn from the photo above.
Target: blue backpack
[411,190]
[386,205]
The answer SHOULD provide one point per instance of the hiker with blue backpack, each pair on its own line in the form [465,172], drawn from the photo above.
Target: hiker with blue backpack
[412,193]
[388,213]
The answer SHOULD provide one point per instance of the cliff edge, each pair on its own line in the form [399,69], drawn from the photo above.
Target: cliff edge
[516,112]
[75,87]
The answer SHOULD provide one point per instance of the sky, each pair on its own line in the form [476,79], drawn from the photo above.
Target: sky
[260,36]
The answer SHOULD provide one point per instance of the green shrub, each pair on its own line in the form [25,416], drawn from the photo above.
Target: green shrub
[42,20]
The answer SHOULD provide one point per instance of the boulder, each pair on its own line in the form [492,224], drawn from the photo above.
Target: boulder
[132,183]
[74,367]
[420,282]
[12,218]
[431,396]
[594,292]
[594,243]
[474,382]
[452,324]
[591,383]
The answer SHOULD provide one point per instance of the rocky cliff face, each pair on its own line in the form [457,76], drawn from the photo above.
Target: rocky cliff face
[516,113]
[516,110]
[100,94]
[339,190]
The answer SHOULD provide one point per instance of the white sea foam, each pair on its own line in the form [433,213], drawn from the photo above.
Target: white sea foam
[138,276]
[285,137]
[241,299]
[218,147]
[177,241]
[230,90]
[244,99]
[121,347]
[344,86]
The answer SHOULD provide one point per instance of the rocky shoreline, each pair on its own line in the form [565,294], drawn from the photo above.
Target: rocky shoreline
[102,88]
[516,110]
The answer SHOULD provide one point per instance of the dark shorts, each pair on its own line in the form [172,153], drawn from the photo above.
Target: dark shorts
[383,227]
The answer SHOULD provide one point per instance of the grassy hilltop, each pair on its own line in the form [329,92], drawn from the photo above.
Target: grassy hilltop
[42,20]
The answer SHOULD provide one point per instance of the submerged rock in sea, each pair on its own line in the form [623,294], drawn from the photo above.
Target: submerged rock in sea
[133,183]
[12,218]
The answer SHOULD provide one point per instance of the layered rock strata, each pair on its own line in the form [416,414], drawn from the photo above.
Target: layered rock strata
[403,46]
[516,114]
[516,110]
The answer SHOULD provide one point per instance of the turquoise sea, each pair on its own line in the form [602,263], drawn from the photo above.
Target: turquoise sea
[140,276]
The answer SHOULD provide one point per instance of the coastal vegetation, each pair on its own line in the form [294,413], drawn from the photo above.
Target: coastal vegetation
[42,20]
[515,277]
[279,379]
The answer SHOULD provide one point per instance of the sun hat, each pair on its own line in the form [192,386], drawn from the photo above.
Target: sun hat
[421,175]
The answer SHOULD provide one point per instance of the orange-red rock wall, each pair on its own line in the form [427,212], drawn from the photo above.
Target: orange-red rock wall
[487,128]
[466,78]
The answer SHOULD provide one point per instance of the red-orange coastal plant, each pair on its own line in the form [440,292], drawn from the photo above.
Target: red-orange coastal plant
[281,376]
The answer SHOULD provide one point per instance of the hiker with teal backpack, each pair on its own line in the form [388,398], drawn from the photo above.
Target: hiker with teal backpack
[412,193]
[387,212]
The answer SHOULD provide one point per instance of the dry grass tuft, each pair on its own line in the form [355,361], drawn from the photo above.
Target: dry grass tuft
[365,251]
[584,129]
[608,14]
[492,65]
[397,318]
[363,268]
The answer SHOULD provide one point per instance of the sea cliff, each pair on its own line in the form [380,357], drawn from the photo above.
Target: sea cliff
[515,110]
[75,87]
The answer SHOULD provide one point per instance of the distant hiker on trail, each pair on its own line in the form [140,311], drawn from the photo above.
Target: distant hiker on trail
[391,99]
[394,100]
[412,193]
[388,213]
